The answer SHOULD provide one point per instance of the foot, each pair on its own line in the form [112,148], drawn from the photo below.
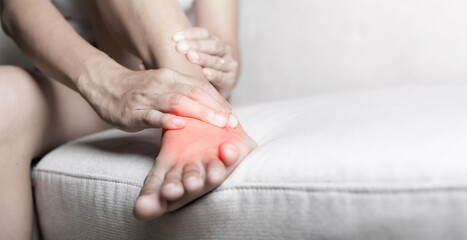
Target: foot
[192,161]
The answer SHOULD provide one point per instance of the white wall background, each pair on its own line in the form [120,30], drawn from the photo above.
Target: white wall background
[301,47]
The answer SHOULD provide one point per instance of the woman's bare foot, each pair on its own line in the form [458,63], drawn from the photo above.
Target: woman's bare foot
[192,161]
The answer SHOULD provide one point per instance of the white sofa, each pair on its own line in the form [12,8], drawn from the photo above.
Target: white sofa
[360,112]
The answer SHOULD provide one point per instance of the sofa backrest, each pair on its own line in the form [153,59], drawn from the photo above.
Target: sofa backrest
[302,47]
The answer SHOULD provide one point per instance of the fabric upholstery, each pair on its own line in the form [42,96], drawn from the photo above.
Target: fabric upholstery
[347,161]
[381,164]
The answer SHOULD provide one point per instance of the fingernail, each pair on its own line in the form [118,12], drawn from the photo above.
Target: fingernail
[178,122]
[207,72]
[193,56]
[233,121]
[179,36]
[183,47]
[220,120]
[169,185]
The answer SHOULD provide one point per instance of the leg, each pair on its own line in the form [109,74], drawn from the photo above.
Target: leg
[36,115]
[210,153]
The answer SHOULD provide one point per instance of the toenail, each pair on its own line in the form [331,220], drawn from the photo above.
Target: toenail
[191,179]
[169,185]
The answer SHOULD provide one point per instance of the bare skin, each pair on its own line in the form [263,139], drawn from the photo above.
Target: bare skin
[192,161]
[42,114]
[154,200]
[45,113]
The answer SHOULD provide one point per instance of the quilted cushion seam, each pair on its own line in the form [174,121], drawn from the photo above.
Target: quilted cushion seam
[283,188]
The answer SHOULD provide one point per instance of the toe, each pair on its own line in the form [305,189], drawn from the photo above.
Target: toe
[172,188]
[216,172]
[149,204]
[193,177]
[229,153]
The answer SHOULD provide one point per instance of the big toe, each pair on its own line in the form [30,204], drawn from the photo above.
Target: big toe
[149,204]
[148,207]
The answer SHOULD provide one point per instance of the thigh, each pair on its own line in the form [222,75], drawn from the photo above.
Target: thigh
[40,113]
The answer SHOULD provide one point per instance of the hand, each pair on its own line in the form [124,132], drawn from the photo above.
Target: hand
[214,56]
[135,100]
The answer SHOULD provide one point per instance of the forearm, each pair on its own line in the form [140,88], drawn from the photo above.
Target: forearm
[146,27]
[51,44]
[221,18]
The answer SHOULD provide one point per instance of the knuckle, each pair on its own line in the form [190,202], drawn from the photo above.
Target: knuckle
[228,48]
[220,61]
[148,118]
[152,177]
[195,92]
[206,112]
[195,45]
[174,100]
[166,73]
[217,75]
[218,45]
[204,31]
[235,65]
[164,119]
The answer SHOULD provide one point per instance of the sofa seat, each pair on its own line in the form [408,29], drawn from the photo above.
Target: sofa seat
[373,164]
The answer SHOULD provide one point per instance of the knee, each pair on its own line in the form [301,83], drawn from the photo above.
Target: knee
[18,102]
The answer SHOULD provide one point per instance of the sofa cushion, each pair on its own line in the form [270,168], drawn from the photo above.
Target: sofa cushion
[382,164]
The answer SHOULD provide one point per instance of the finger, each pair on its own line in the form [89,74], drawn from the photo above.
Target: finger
[183,106]
[208,46]
[192,33]
[141,67]
[201,96]
[206,60]
[214,76]
[206,86]
[150,118]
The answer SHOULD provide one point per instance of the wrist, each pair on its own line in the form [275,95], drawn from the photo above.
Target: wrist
[97,75]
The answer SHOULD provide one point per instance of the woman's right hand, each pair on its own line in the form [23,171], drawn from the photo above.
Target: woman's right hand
[135,100]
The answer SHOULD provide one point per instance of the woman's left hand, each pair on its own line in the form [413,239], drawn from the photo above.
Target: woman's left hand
[214,56]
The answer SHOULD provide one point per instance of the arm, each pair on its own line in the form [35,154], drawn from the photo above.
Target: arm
[129,100]
[145,27]
[220,17]
[214,43]
[50,43]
